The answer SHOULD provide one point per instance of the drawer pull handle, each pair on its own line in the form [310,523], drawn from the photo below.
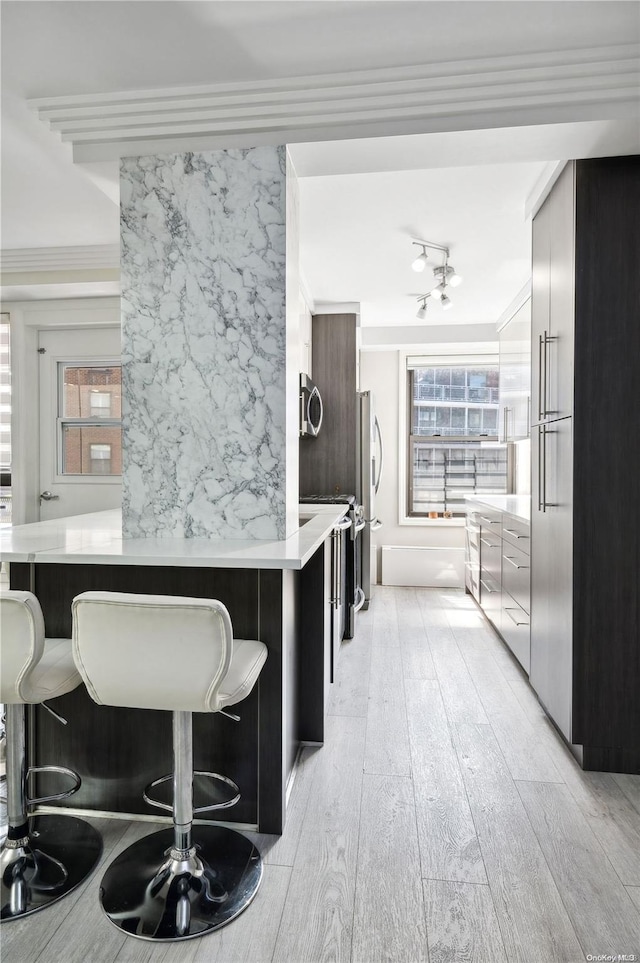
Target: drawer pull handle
[510,531]
[509,559]
[513,618]
[486,587]
[488,544]
[490,521]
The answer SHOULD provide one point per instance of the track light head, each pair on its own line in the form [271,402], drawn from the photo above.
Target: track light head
[421,261]
[422,310]
[438,293]
[453,277]
[445,302]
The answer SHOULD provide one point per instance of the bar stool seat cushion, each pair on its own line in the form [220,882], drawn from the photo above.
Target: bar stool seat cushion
[161,652]
[243,672]
[32,668]
[55,673]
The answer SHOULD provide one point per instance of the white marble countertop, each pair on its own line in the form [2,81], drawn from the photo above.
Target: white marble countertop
[518,506]
[96,539]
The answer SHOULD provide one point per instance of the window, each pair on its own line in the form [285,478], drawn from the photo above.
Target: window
[100,459]
[453,444]
[90,410]
[100,402]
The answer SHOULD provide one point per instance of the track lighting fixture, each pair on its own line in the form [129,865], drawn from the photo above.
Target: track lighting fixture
[421,261]
[422,310]
[445,274]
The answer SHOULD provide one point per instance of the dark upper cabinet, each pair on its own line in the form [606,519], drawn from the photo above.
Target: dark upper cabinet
[328,462]
[585,527]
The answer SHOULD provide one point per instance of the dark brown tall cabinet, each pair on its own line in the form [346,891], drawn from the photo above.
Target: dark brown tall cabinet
[328,463]
[585,517]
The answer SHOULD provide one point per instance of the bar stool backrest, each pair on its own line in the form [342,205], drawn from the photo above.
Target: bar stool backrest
[152,651]
[21,644]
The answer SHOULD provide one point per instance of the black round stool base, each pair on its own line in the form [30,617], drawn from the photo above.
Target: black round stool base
[60,853]
[149,894]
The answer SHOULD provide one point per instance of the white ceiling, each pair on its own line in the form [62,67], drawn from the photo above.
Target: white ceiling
[358,211]
[357,229]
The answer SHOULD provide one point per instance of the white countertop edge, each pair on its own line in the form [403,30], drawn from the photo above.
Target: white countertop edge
[96,539]
[516,506]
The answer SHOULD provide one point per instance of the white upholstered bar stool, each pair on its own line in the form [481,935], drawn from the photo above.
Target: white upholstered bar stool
[43,857]
[178,654]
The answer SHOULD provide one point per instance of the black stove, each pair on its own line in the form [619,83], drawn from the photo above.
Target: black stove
[351,553]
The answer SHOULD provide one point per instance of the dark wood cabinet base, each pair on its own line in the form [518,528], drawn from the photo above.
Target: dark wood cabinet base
[117,751]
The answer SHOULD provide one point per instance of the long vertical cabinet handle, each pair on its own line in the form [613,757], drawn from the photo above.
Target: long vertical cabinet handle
[334,569]
[540,430]
[545,377]
[548,339]
[544,468]
[528,416]
[540,350]
[506,423]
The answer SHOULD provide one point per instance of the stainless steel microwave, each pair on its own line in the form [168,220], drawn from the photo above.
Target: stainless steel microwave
[310,408]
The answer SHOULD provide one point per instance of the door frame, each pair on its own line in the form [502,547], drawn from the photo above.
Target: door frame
[27,320]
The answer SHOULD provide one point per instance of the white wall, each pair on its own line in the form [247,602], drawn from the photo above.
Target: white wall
[27,319]
[379,373]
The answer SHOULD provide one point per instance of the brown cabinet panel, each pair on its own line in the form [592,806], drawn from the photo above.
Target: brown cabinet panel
[328,463]
[585,602]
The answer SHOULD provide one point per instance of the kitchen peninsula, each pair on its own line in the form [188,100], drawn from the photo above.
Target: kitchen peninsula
[276,591]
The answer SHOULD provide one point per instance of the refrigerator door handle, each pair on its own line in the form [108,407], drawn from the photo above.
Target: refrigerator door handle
[376,485]
[343,525]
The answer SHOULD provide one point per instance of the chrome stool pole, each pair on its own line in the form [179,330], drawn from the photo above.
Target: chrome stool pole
[43,857]
[183,882]
[186,881]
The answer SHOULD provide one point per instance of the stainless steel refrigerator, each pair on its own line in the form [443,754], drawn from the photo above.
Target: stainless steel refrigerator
[369,473]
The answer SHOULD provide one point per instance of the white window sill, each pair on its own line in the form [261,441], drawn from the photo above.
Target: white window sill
[433,522]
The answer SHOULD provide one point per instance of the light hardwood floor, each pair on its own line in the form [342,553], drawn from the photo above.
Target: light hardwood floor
[443,821]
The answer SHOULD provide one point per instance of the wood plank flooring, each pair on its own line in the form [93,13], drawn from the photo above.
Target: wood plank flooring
[443,822]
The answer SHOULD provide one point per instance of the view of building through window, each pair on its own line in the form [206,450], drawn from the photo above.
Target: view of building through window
[453,443]
[90,419]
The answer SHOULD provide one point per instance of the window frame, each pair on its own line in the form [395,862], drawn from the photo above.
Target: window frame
[63,422]
[455,355]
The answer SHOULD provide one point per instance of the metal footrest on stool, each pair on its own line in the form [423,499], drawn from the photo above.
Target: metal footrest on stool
[225,804]
[58,853]
[154,892]
[63,770]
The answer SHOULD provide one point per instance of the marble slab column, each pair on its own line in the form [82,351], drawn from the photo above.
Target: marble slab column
[209,248]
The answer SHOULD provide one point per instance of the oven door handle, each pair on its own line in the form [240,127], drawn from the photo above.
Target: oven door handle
[359,526]
[343,525]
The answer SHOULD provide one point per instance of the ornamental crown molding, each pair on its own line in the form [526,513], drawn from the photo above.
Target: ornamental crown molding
[495,91]
[100,257]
